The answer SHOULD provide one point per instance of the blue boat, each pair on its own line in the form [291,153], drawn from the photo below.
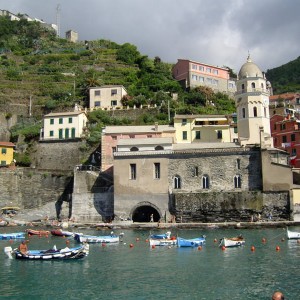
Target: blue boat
[12,236]
[195,242]
[166,235]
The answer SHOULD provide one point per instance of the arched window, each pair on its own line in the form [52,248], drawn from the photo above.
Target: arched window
[253,85]
[243,86]
[237,181]
[134,149]
[255,111]
[265,111]
[159,148]
[238,163]
[205,182]
[177,182]
[244,113]
[262,85]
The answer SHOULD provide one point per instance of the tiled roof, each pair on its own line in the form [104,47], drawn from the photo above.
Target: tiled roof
[7,144]
[67,113]
[137,129]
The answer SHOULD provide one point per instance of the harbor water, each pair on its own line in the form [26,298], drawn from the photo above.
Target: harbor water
[133,270]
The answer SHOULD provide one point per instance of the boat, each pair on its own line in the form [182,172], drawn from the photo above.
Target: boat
[12,236]
[162,239]
[51,254]
[292,234]
[195,242]
[81,238]
[232,242]
[37,232]
[60,232]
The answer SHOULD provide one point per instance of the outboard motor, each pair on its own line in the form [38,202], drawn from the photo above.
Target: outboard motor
[8,251]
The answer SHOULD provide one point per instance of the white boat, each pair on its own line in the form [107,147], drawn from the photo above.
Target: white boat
[96,239]
[162,239]
[292,234]
[232,242]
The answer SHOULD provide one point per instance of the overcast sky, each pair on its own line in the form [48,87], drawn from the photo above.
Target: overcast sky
[219,32]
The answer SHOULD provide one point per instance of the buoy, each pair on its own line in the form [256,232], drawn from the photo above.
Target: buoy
[252,248]
[103,244]
[199,248]
[137,239]
[215,240]
[131,245]
[264,240]
[147,240]
[277,248]
[282,239]
[67,242]
[153,246]
[223,248]
[46,235]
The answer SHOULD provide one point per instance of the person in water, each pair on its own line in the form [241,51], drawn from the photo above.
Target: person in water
[23,248]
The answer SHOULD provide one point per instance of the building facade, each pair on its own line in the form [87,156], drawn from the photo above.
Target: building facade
[64,126]
[106,97]
[72,36]
[6,153]
[192,74]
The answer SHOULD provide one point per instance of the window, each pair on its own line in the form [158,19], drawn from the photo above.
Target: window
[3,150]
[51,121]
[199,123]
[70,120]
[61,120]
[255,111]
[198,135]
[183,121]
[60,133]
[215,82]
[131,136]
[282,127]
[97,93]
[237,181]
[298,100]
[219,134]
[177,182]
[262,85]
[114,92]
[3,163]
[114,103]
[208,70]
[244,112]
[51,133]
[149,136]
[133,171]
[114,149]
[194,77]
[238,164]
[184,135]
[284,139]
[205,182]
[156,170]
[253,85]
[201,68]
[243,86]
[294,152]
[114,137]
[216,72]
[201,79]
[97,103]
[73,133]
[196,171]
[231,85]
[134,149]
[67,133]
[209,80]
[159,148]
[194,67]
[293,137]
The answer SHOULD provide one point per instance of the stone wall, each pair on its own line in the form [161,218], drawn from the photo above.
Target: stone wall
[230,206]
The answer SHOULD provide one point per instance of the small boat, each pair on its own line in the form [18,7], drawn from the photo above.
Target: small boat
[195,242]
[81,238]
[37,232]
[162,239]
[60,232]
[292,234]
[232,242]
[12,236]
[51,254]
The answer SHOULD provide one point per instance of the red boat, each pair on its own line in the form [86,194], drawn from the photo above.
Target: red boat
[37,232]
[59,232]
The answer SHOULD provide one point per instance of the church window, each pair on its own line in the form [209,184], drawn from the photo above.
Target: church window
[196,171]
[243,86]
[205,182]
[237,181]
[244,113]
[253,85]
[238,164]
[255,111]
[156,170]
[265,112]
[262,86]
[219,134]
[177,182]
[133,171]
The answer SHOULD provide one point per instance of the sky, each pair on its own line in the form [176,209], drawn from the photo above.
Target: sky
[219,32]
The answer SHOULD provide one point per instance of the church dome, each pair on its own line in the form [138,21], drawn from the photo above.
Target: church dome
[250,69]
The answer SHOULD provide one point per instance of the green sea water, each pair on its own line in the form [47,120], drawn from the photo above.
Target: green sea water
[140,272]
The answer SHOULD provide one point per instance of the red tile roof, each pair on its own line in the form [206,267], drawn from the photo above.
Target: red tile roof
[7,144]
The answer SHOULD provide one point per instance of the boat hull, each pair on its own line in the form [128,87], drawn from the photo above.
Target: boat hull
[196,242]
[12,236]
[293,235]
[162,242]
[232,242]
[96,239]
[59,232]
[38,232]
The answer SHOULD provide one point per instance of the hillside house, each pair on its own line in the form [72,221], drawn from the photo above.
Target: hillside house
[6,153]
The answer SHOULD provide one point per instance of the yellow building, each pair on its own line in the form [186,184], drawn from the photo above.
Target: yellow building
[202,129]
[6,153]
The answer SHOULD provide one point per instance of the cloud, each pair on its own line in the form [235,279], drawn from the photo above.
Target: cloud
[214,32]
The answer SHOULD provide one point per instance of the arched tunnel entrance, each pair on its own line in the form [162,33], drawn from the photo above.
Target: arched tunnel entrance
[143,214]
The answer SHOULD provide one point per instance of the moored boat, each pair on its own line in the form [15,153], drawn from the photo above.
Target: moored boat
[12,236]
[232,242]
[292,234]
[37,232]
[195,242]
[162,239]
[81,238]
[51,254]
[60,232]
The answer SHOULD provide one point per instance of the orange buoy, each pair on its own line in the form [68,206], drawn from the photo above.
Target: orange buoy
[264,240]
[147,240]
[277,248]
[223,248]
[215,240]
[103,244]
[131,245]
[153,246]
[199,248]
[67,242]
[252,248]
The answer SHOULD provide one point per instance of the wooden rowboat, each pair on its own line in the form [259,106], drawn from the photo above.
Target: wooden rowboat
[38,232]
[232,242]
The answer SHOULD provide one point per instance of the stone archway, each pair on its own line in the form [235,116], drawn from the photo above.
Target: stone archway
[142,213]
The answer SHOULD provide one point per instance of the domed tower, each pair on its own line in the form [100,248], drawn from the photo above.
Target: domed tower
[252,104]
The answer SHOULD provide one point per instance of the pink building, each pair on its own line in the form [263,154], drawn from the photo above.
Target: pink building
[192,74]
[112,134]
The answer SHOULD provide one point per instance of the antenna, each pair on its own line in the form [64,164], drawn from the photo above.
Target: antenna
[58,19]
